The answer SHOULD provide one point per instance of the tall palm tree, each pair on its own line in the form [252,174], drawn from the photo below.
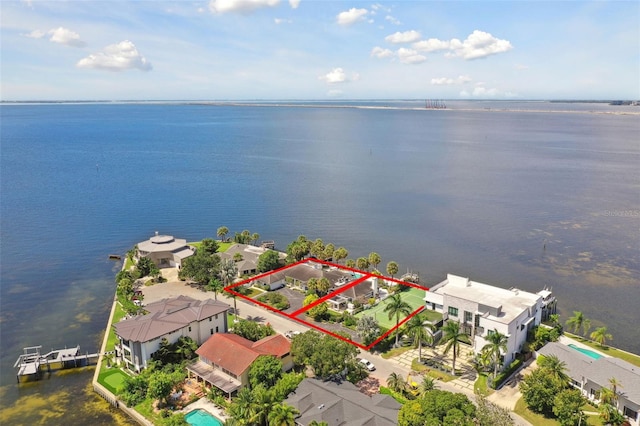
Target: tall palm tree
[614,385]
[579,321]
[240,409]
[397,307]
[555,367]
[222,232]
[419,332]
[396,382]
[374,259]
[228,271]
[255,237]
[392,268]
[600,335]
[451,338]
[282,415]
[497,343]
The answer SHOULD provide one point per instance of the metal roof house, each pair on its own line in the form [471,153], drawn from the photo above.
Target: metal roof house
[590,374]
[341,403]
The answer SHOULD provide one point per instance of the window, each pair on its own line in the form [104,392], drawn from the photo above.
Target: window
[210,319]
[216,316]
[477,320]
[630,413]
[211,331]
[189,328]
[468,316]
[490,332]
[453,311]
[217,328]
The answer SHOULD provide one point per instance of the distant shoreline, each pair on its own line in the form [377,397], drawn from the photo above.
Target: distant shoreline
[329,105]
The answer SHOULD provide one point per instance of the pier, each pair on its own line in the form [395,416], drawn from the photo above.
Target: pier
[32,363]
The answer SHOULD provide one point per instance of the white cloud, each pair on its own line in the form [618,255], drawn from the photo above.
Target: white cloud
[35,34]
[393,20]
[116,57]
[405,37]
[521,67]
[379,52]
[338,75]
[478,44]
[351,16]
[431,45]
[410,56]
[294,4]
[445,81]
[279,21]
[67,37]
[240,6]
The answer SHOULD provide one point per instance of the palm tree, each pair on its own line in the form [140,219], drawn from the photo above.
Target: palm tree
[600,335]
[215,285]
[396,382]
[350,263]
[228,271]
[222,232]
[255,237]
[555,367]
[615,384]
[579,321]
[427,385]
[396,307]
[241,406]
[362,263]
[392,268]
[282,415]
[419,332]
[261,405]
[451,338]
[374,259]
[497,343]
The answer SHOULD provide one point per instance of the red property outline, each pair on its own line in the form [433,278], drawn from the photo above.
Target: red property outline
[293,316]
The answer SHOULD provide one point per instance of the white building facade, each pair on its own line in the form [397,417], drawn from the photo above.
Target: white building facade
[482,309]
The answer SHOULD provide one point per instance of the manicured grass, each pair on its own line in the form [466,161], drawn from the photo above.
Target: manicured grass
[112,379]
[611,351]
[533,418]
[431,316]
[395,352]
[413,297]
[118,314]
[480,386]
[222,247]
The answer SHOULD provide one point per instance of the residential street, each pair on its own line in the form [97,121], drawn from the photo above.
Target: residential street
[506,397]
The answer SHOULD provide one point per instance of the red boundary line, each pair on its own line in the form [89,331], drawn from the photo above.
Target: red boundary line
[293,316]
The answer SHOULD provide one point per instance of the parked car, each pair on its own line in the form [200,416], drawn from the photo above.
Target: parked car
[290,334]
[368,364]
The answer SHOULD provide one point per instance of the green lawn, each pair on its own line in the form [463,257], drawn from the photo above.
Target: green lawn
[413,297]
[118,314]
[538,419]
[112,379]
[481,387]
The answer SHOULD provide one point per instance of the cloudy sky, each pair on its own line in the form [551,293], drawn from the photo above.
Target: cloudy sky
[304,49]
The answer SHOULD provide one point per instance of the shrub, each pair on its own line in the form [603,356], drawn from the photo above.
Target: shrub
[276,300]
[501,377]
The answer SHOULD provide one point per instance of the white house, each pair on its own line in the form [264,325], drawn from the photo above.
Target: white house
[481,308]
[140,336]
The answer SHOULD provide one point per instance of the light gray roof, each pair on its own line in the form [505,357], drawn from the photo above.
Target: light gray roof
[598,371]
[305,271]
[340,403]
[166,316]
[162,243]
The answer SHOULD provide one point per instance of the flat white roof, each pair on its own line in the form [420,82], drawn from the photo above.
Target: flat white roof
[513,302]
[160,243]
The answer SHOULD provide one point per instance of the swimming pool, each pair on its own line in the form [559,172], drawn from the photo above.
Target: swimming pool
[587,352]
[202,418]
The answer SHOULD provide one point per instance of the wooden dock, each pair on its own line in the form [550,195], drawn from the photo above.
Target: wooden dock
[32,362]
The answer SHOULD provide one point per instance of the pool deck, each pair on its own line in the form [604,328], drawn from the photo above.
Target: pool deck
[206,405]
[569,341]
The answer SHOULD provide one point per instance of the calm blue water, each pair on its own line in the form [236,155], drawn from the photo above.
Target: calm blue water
[527,199]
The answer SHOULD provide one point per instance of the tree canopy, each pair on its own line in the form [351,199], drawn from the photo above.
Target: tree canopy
[268,261]
[200,267]
[324,354]
[438,407]
[266,370]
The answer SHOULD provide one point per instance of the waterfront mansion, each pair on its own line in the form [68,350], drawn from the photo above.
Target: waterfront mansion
[140,336]
[482,309]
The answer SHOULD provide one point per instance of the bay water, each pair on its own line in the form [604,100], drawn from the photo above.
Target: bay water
[514,194]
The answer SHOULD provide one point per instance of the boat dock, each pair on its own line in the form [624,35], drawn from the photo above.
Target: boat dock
[32,363]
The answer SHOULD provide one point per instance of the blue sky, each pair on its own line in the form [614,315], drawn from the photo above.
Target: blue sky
[302,49]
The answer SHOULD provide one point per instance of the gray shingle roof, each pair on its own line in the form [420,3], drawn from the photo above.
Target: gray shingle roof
[166,316]
[341,404]
[599,370]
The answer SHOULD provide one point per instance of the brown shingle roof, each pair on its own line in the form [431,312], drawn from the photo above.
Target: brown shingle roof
[166,316]
[235,353]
